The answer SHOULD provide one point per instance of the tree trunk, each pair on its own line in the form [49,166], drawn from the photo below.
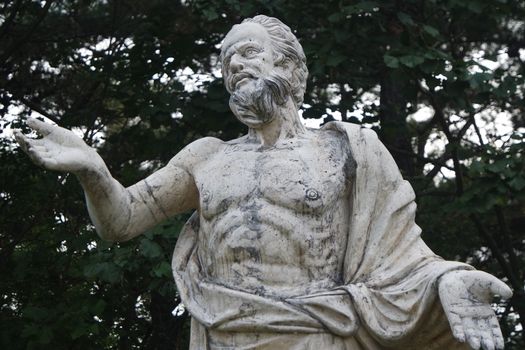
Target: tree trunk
[394,131]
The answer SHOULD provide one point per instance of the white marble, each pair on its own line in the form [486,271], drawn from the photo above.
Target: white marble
[301,238]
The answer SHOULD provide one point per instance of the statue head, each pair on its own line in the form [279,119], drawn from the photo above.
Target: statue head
[263,65]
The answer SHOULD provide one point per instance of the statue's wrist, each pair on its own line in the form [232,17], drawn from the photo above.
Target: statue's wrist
[92,172]
[448,278]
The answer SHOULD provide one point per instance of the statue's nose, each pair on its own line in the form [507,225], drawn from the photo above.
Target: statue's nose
[236,64]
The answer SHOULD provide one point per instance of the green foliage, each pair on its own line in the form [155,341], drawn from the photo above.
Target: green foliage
[115,72]
[496,179]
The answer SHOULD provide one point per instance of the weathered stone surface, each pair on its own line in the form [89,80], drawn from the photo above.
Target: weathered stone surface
[301,239]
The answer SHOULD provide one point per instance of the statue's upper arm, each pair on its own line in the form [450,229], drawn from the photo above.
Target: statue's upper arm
[172,189]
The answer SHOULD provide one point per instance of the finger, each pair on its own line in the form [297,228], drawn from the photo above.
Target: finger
[485,333]
[22,140]
[50,163]
[38,148]
[499,342]
[35,157]
[43,128]
[45,161]
[471,334]
[456,326]
[459,333]
[487,342]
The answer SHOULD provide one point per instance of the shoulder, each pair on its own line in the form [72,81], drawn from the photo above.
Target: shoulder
[197,152]
[335,137]
[350,130]
[329,133]
[238,141]
[360,140]
[204,146]
[344,137]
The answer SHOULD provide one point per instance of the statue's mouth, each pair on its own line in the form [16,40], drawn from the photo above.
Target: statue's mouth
[239,79]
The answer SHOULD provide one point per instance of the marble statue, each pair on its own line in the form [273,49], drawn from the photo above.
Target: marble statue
[301,238]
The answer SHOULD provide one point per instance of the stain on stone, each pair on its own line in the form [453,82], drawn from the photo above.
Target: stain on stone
[253,253]
[247,309]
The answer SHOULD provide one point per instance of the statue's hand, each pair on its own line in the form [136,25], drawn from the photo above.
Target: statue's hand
[58,149]
[466,296]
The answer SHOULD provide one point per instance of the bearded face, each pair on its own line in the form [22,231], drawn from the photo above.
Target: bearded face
[256,85]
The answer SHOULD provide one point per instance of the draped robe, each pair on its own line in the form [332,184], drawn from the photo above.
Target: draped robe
[389,297]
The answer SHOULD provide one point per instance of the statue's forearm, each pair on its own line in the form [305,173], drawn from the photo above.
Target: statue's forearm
[120,214]
[107,201]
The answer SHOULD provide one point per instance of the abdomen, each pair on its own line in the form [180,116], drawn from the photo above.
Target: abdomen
[270,249]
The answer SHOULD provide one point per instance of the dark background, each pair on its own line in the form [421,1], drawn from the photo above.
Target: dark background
[113,71]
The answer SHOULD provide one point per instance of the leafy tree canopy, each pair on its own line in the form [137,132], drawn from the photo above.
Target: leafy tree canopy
[441,80]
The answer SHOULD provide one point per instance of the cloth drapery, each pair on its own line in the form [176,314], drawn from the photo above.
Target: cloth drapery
[389,295]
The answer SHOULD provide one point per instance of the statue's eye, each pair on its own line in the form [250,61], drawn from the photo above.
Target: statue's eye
[250,52]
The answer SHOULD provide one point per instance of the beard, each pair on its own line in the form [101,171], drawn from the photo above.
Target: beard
[260,99]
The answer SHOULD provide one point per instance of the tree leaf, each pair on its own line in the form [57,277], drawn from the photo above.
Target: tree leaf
[391,61]
[431,30]
[405,18]
[411,60]
[150,249]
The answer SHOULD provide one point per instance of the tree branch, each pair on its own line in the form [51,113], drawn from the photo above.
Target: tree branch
[496,252]
[33,106]
[19,44]
[504,232]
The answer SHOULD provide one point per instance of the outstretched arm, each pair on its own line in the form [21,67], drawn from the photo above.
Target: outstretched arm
[118,213]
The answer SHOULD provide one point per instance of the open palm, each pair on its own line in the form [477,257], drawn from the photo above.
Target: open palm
[58,149]
[466,298]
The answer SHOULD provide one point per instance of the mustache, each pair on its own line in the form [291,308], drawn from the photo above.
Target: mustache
[237,77]
[275,86]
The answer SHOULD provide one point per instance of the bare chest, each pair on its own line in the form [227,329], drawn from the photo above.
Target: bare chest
[304,176]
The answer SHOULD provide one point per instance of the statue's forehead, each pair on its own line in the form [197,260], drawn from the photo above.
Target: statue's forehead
[245,32]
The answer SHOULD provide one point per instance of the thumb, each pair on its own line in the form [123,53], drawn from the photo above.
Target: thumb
[485,286]
[498,287]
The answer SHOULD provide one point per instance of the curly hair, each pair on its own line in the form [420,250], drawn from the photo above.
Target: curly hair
[287,49]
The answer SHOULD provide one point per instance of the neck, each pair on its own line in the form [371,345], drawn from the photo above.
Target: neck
[285,125]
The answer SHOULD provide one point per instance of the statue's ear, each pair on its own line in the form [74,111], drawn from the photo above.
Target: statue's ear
[286,63]
[278,59]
